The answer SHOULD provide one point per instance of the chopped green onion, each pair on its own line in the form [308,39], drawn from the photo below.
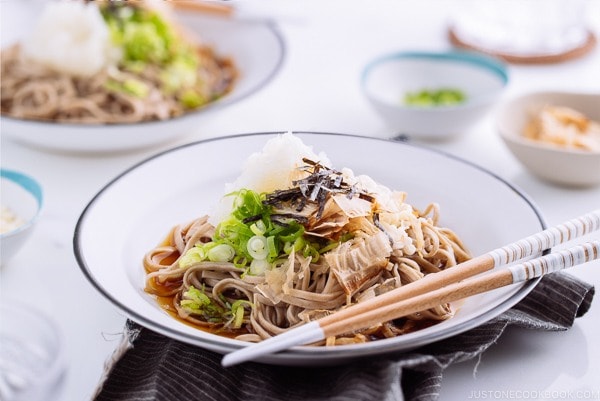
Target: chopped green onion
[237,312]
[136,88]
[436,97]
[192,256]
[258,228]
[240,261]
[145,39]
[297,246]
[259,266]
[221,253]
[195,301]
[297,233]
[272,248]
[253,235]
[130,86]
[178,75]
[329,247]
[191,99]
[258,247]
[311,251]
[248,204]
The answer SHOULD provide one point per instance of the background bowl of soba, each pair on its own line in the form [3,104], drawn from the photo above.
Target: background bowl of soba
[256,48]
[114,220]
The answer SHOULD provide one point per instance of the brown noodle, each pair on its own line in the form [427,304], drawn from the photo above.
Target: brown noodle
[312,289]
[29,90]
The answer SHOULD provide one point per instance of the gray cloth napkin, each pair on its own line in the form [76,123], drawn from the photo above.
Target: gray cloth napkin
[151,366]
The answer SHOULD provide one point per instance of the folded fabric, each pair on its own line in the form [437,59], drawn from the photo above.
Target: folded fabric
[150,366]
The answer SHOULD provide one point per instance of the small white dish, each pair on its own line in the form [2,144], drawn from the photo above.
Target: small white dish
[551,163]
[386,80]
[22,196]
[32,361]
[115,219]
[256,47]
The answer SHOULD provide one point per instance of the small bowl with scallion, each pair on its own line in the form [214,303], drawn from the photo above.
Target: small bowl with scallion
[432,95]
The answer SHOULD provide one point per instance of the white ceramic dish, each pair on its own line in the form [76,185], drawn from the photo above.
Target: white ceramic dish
[256,47]
[388,78]
[566,167]
[23,197]
[115,230]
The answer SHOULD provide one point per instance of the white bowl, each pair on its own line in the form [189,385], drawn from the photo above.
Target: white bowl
[388,78]
[22,195]
[562,166]
[33,354]
[495,217]
[257,49]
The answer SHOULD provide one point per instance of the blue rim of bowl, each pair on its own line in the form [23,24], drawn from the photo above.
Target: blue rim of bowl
[31,186]
[496,66]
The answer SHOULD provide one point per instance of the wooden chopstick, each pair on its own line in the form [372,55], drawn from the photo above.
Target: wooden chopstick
[207,7]
[527,247]
[534,268]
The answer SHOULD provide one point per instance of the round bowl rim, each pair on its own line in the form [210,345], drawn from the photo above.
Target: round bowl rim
[517,139]
[483,62]
[31,186]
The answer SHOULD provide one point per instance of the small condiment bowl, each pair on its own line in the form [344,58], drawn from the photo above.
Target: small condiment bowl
[389,78]
[552,163]
[21,196]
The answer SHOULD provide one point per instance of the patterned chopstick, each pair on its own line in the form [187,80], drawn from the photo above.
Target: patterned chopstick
[414,292]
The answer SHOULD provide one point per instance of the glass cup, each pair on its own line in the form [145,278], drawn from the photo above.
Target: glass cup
[521,28]
[32,360]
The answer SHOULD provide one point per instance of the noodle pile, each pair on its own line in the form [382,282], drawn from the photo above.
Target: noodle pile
[387,250]
[161,74]
[32,91]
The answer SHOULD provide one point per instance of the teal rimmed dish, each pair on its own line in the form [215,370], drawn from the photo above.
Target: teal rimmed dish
[22,197]
[386,81]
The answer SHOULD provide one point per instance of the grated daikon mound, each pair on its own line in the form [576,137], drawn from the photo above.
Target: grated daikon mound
[71,37]
[276,166]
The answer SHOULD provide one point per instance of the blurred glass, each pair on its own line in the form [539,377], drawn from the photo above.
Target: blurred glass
[526,28]
[32,359]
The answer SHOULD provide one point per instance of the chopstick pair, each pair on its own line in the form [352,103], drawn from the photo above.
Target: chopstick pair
[217,8]
[445,286]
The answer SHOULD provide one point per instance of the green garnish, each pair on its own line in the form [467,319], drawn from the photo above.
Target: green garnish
[263,229]
[147,40]
[129,86]
[253,237]
[435,97]
[213,251]
[191,99]
[196,302]
[141,33]
[257,233]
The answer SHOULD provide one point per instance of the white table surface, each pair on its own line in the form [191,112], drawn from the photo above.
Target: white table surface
[327,43]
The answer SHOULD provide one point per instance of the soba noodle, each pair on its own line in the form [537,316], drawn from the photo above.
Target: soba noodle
[32,90]
[298,288]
